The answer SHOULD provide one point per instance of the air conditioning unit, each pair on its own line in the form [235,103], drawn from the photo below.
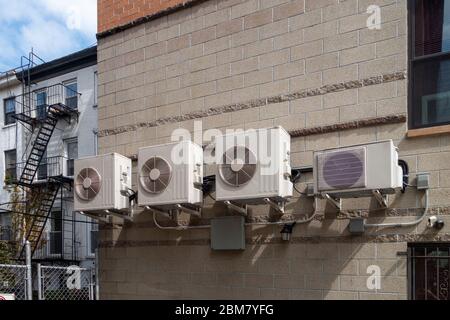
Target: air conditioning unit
[358,170]
[101,183]
[253,165]
[170,174]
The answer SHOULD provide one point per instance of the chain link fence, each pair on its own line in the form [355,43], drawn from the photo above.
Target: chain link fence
[50,282]
[65,283]
[13,280]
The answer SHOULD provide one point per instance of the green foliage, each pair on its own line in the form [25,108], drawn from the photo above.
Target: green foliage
[5,253]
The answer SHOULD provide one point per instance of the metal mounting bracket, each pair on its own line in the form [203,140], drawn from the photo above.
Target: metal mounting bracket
[119,215]
[337,203]
[106,219]
[382,200]
[278,206]
[242,210]
[168,215]
[193,212]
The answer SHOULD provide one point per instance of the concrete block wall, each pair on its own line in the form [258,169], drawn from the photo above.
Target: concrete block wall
[311,66]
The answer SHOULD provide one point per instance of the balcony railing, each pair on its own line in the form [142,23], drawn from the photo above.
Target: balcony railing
[50,167]
[35,104]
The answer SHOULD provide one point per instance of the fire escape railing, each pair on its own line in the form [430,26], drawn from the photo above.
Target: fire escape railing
[33,107]
[50,167]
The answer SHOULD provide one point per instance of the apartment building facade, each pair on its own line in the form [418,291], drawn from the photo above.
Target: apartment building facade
[70,82]
[333,73]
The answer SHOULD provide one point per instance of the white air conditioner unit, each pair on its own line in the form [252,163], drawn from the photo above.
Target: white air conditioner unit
[101,183]
[253,165]
[170,174]
[358,170]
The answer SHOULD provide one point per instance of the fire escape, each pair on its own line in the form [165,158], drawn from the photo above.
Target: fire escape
[42,179]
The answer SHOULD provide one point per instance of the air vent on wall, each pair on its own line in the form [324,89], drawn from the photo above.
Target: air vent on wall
[87,184]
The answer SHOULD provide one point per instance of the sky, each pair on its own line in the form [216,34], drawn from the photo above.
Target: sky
[53,28]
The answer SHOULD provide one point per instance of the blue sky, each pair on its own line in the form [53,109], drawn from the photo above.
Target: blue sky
[53,28]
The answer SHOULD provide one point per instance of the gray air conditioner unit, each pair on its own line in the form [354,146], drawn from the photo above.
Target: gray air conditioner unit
[358,170]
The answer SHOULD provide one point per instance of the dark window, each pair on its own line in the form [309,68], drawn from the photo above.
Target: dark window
[10,166]
[429,271]
[56,233]
[430,63]
[94,238]
[10,110]
[72,154]
[41,105]
[42,172]
[71,95]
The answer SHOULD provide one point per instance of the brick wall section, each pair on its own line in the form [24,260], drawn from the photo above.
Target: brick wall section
[117,13]
[218,54]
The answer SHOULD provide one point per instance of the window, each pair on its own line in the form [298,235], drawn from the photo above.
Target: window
[72,154]
[56,233]
[71,94]
[10,166]
[430,63]
[41,105]
[93,241]
[429,276]
[42,173]
[10,110]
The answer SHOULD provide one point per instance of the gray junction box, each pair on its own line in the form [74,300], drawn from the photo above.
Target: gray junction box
[228,233]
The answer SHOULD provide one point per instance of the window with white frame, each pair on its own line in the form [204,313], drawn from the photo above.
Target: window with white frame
[72,155]
[71,94]
[9,110]
[10,166]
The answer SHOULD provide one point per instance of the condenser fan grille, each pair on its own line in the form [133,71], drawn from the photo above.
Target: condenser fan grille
[343,170]
[238,166]
[87,184]
[155,175]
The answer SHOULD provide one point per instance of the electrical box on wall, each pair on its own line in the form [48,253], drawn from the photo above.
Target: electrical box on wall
[228,233]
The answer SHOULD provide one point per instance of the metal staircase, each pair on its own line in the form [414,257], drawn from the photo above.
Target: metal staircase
[38,111]
[38,149]
[41,118]
[43,200]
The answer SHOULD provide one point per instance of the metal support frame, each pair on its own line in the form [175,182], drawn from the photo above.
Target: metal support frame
[277,206]
[29,274]
[106,219]
[241,209]
[382,199]
[337,203]
[119,214]
[167,214]
[193,212]
[39,281]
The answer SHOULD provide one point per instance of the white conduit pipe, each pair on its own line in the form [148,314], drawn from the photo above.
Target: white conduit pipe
[402,224]
[280,223]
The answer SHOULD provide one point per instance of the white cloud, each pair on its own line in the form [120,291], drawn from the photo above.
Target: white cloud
[53,28]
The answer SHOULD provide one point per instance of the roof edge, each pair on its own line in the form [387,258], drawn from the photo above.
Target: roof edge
[184,5]
[72,62]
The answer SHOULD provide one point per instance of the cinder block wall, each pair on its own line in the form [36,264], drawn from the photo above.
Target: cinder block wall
[311,66]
